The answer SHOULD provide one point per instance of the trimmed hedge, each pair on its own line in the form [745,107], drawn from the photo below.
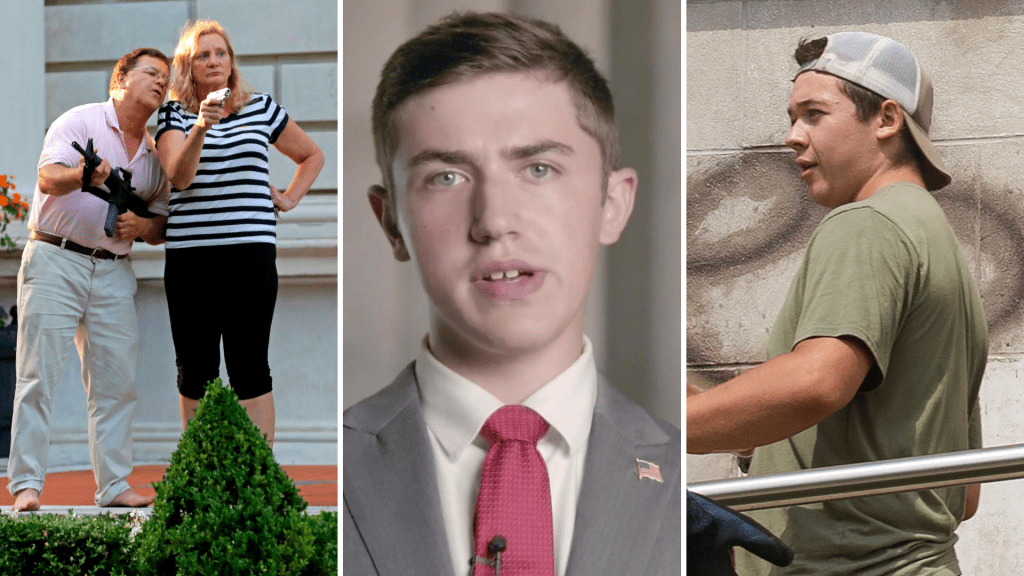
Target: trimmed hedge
[224,507]
[324,562]
[53,545]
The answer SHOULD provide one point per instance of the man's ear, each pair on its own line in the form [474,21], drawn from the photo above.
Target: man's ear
[118,92]
[890,120]
[384,209]
[618,204]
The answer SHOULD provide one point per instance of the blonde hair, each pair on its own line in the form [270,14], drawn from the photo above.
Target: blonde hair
[183,89]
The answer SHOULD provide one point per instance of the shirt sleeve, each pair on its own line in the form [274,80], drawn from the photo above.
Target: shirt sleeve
[159,204]
[169,118]
[278,119]
[57,149]
[859,279]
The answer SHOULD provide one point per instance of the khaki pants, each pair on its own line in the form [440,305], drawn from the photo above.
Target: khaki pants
[65,297]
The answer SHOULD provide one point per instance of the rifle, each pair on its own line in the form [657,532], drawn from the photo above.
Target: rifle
[121,197]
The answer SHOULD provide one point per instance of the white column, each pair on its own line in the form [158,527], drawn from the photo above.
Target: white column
[22,91]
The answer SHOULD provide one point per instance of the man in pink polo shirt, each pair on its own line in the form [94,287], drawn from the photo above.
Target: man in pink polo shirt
[75,283]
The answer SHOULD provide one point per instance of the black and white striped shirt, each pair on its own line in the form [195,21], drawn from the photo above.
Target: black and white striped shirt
[228,201]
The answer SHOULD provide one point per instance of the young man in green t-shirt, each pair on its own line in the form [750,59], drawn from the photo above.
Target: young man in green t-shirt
[880,347]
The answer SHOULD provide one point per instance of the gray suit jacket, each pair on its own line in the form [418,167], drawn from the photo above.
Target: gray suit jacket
[393,523]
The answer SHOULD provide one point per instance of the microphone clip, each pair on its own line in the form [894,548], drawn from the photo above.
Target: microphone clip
[496,546]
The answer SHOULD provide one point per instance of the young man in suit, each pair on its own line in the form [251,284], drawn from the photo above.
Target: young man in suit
[497,143]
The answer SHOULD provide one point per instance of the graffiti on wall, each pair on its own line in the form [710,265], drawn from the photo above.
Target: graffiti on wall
[746,212]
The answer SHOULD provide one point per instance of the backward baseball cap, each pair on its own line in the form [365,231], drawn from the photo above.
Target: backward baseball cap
[890,70]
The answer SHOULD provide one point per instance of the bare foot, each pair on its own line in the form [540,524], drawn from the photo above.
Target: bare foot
[27,499]
[131,499]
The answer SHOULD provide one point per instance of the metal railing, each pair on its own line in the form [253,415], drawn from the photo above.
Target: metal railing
[868,479]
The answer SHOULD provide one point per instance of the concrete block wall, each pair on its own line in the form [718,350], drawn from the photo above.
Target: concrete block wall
[286,49]
[748,216]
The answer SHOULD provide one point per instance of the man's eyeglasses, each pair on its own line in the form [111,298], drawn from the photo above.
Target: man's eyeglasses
[153,72]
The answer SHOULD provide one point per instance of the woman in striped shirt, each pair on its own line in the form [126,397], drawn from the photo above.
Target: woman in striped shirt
[220,275]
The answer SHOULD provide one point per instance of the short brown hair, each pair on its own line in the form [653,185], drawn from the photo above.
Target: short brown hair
[127,62]
[868,103]
[464,45]
[183,89]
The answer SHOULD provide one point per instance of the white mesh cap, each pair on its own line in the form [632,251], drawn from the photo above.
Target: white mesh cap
[890,70]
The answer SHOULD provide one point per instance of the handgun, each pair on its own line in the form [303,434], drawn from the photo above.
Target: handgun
[221,94]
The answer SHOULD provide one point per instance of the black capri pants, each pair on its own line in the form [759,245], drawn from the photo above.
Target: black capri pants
[227,292]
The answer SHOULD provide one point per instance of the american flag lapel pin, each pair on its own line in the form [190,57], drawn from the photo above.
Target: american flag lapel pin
[649,470]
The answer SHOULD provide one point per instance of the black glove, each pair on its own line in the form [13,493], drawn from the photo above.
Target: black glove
[712,531]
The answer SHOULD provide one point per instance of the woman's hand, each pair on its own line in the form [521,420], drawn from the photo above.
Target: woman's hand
[210,113]
[282,201]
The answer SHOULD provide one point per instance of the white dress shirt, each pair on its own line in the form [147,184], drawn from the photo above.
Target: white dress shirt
[455,409]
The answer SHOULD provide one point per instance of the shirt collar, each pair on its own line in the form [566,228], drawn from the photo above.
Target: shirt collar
[110,115]
[455,408]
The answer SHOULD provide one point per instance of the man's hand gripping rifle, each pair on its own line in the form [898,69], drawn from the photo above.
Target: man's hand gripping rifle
[120,198]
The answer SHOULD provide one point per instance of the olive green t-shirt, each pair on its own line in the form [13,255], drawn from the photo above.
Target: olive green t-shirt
[888,271]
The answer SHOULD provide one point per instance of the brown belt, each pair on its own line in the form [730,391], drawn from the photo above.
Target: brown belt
[74,247]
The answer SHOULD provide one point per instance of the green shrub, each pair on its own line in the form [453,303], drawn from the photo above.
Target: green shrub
[324,561]
[225,506]
[53,545]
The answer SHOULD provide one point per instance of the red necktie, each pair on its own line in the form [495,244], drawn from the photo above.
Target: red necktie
[515,497]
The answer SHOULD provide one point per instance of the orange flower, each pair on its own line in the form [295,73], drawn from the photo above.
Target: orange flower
[3,201]
[16,198]
[3,181]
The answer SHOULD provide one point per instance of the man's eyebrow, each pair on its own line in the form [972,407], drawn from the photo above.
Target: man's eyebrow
[442,156]
[514,153]
[812,101]
[542,147]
